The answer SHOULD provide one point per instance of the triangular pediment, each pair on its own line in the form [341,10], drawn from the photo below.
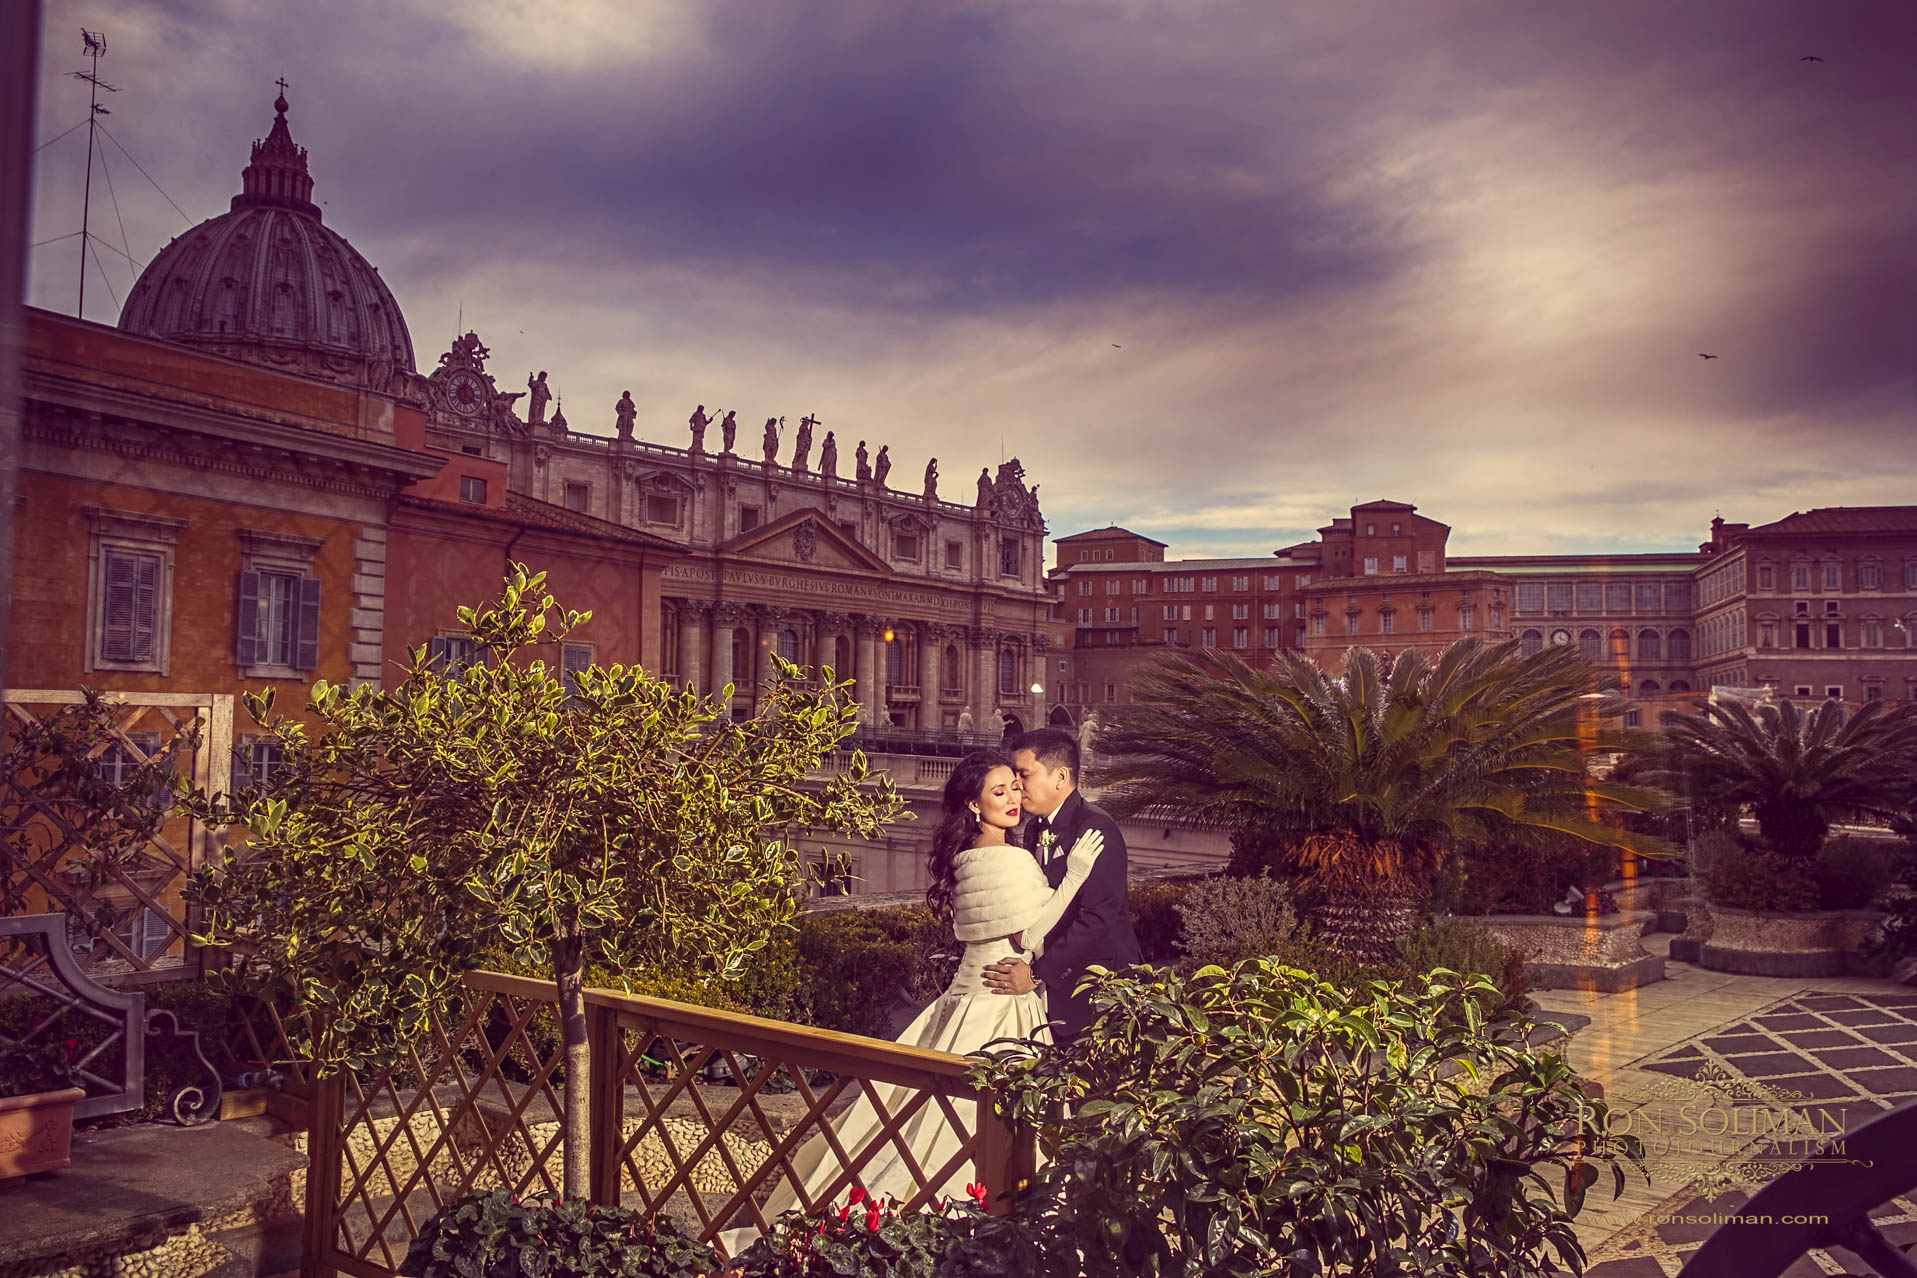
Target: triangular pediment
[806,538]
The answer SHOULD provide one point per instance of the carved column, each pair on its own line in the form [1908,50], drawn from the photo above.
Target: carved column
[725,616]
[826,629]
[985,678]
[692,640]
[868,673]
[931,714]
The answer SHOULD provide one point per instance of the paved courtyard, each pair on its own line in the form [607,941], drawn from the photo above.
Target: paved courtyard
[1823,1053]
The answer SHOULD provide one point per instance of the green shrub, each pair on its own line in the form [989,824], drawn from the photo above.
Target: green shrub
[852,965]
[1519,880]
[1853,873]
[1155,919]
[1459,945]
[542,1237]
[1742,877]
[872,1239]
[1226,919]
[1258,1121]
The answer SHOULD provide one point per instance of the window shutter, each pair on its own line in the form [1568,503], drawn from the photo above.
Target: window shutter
[117,607]
[242,767]
[436,649]
[146,606]
[306,648]
[248,648]
[153,934]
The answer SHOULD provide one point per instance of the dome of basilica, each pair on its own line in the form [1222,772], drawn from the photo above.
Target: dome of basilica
[268,284]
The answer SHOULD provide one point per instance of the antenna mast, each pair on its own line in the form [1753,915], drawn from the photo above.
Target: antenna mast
[95,49]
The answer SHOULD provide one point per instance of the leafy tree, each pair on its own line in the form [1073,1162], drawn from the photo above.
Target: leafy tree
[1368,777]
[611,816]
[1796,772]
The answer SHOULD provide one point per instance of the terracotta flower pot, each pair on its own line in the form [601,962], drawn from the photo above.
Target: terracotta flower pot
[36,1133]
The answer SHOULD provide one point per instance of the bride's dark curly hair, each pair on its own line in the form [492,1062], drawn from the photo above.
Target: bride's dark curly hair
[958,827]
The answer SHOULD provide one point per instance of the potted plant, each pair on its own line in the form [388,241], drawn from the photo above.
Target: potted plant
[37,1096]
[499,1235]
[872,1238]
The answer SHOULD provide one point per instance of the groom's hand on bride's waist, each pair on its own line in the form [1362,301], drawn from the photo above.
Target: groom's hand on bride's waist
[1010,976]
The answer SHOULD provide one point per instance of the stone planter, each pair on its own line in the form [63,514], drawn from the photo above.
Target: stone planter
[1664,897]
[1793,943]
[1575,952]
[36,1133]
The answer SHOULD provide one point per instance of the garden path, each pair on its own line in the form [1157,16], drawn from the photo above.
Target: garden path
[1832,1051]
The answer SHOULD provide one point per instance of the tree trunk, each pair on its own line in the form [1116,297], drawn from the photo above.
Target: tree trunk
[1793,829]
[1365,919]
[568,965]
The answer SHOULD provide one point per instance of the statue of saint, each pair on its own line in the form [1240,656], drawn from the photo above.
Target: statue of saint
[984,487]
[539,397]
[627,411]
[699,421]
[772,441]
[965,721]
[864,463]
[829,457]
[932,480]
[802,447]
[884,465]
[1087,738]
[729,429]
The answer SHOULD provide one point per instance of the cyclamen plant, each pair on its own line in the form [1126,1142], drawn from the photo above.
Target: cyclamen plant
[499,1235]
[869,1237]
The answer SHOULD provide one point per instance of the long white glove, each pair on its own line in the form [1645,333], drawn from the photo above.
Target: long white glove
[1078,867]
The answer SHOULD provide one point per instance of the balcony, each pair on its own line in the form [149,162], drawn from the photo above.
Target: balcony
[903,694]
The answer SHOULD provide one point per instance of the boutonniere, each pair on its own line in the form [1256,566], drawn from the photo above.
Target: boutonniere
[1046,842]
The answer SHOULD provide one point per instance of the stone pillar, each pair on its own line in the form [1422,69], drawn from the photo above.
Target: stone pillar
[725,616]
[868,673]
[985,682]
[931,713]
[692,639]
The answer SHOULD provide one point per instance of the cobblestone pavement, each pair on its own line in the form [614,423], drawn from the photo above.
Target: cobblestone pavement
[1820,1053]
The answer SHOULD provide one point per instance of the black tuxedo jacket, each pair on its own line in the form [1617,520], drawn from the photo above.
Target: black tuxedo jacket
[1096,929]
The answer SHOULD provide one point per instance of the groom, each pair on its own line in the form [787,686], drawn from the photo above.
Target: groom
[1097,927]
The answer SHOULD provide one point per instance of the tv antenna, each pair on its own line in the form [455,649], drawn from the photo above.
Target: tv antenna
[95,48]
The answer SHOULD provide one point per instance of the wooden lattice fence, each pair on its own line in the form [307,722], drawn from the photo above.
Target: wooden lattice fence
[694,1112]
[130,922]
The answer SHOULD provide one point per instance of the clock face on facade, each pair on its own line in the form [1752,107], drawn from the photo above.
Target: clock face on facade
[1560,637]
[465,394]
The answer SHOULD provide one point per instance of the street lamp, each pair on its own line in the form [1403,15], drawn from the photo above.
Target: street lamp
[1038,689]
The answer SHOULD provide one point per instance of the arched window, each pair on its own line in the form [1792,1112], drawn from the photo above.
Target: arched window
[1620,645]
[789,645]
[1530,642]
[894,663]
[1680,645]
[1007,671]
[1649,645]
[1647,688]
[1588,643]
[1679,685]
[742,663]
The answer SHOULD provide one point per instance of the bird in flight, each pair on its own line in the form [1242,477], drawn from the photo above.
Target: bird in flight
[1702,355]
[1810,57]
[1117,347]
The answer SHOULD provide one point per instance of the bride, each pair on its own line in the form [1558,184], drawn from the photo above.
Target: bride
[999,904]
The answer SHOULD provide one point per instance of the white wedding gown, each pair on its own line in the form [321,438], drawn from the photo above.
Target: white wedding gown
[962,1020]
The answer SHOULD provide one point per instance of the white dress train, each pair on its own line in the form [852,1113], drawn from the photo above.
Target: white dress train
[999,890]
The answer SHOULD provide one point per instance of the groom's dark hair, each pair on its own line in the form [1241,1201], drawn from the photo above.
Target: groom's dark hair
[1051,747]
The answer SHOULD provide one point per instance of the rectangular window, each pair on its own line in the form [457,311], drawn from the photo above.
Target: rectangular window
[1590,596]
[954,556]
[1870,575]
[1387,622]
[1240,612]
[1803,690]
[1833,635]
[1084,555]
[574,658]
[579,498]
[1210,639]
[1557,596]
[1833,575]
[907,546]
[1872,633]
[1873,692]
[1111,615]
[1298,610]
[1008,557]
[1398,563]
[1171,635]
[129,608]
[1467,618]
[279,621]
[1677,596]
[1111,586]
[1084,588]
[1424,620]
[1530,596]
[1318,625]
[1184,612]
[1241,583]
[1211,584]
[1633,718]
[1304,579]
[1084,616]
[1497,618]
[662,510]
[449,654]
[1803,635]
[1834,691]
[472,490]
[1271,611]
[1271,636]
[1142,586]
[1211,611]
[1371,565]
[255,761]
[1171,612]
[1241,636]
[1617,596]
[1351,623]
[1767,634]
[750,517]
[1650,597]
[1111,692]
[1271,581]
[1766,577]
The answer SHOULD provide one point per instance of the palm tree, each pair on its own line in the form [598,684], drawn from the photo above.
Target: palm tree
[1369,776]
[1796,772]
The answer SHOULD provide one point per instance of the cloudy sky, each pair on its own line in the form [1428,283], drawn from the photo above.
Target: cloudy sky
[1214,271]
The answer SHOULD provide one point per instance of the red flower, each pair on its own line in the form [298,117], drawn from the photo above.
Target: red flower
[857,1195]
[872,1218]
[978,1193]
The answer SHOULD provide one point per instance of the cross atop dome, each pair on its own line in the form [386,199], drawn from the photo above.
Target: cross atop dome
[277,177]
